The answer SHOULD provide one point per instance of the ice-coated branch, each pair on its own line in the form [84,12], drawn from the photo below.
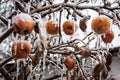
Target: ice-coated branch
[4,72]
[57,7]
[6,34]
[7,60]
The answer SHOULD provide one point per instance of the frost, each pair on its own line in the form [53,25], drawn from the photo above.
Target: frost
[23,17]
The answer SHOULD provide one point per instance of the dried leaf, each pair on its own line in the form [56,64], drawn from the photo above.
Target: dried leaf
[85,52]
[83,25]
[36,57]
[81,77]
[104,74]
[108,61]
[36,29]
[96,72]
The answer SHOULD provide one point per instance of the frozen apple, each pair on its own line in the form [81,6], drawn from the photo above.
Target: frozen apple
[21,49]
[23,24]
[100,24]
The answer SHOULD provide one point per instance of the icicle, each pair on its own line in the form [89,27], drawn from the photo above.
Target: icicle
[15,40]
[118,53]
[9,23]
[44,59]
[63,71]
[18,63]
[37,76]
[52,56]
[61,75]
[16,37]
[59,58]
[83,64]
[54,17]
[97,42]
[111,45]
[50,72]
[104,35]
[107,46]
[69,75]
[22,39]
[28,5]
[48,68]
[72,72]
[39,65]
[43,77]
[64,13]
[15,48]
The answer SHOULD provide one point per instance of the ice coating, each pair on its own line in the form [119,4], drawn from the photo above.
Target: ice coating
[23,24]
[22,16]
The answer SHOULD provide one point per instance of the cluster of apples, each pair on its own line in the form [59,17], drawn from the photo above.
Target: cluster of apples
[69,27]
[101,25]
[23,24]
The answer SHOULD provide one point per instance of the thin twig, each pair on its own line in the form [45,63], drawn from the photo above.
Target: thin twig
[53,77]
[51,11]
[45,8]
[87,35]
[78,7]
[60,35]
[62,44]
[3,19]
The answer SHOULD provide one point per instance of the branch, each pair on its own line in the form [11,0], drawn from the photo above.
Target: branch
[66,5]
[53,77]
[45,8]
[3,19]
[4,72]
[12,14]
[19,6]
[7,60]
[51,11]
[87,35]
[78,7]
[6,34]
[60,35]
[64,52]
[62,44]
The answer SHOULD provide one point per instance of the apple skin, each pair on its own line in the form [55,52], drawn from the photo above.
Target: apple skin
[70,63]
[100,24]
[69,27]
[108,36]
[21,49]
[52,27]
